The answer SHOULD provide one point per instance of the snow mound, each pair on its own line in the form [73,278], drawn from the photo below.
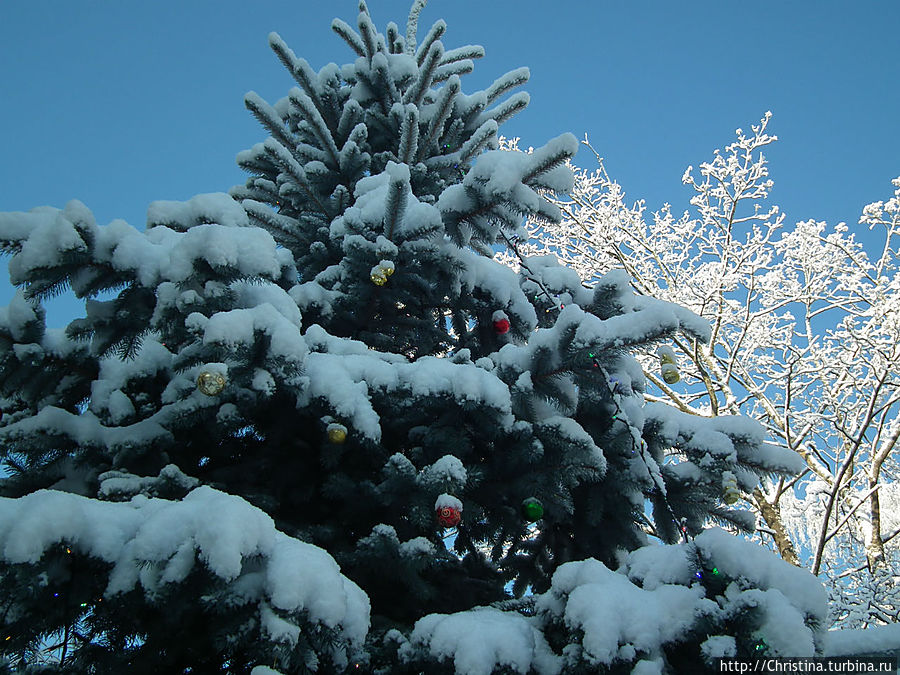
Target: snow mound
[612,613]
[481,640]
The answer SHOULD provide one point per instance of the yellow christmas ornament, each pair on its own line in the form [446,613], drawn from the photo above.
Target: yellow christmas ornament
[378,279]
[668,365]
[337,433]
[210,383]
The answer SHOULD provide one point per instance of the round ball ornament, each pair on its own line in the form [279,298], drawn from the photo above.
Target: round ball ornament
[379,273]
[501,322]
[448,516]
[532,509]
[210,383]
[670,374]
[448,510]
[337,433]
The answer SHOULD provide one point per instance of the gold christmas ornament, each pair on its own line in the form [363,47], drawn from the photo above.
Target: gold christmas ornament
[337,433]
[670,374]
[210,383]
[380,273]
[730,491]
[668,365]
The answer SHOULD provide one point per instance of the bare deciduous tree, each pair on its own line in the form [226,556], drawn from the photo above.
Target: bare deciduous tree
[805,333]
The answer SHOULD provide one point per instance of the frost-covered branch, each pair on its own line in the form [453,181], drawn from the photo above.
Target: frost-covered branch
[805,326]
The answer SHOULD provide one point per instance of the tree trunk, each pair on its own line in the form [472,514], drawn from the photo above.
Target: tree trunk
[875,544]
[771,513]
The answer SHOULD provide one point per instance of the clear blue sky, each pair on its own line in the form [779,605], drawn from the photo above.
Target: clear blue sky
[119,103]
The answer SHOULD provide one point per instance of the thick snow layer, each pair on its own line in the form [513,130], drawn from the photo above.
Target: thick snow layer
[122,483]
[873,641]
[86,429]
[160,254]
[627,329]
[46,234]
[215,207]
[448,501]
[153,542]
[642,318]
[718,646]
[733,438]
[264,670]
[416,547]
[555,277]
[688,321]
[238,329]
[654,566]
[348,382]
[373,197]
[659,596]
[251,294]
[737,557]
[263,382]
[502,173]
[18,315]
[163,254]
[590,332]
[500,283]
[787,595]
[119,406]
[278,629]
[613,612]
[482,640]
[648,667]
[313,295]
[448,470]
[115,374]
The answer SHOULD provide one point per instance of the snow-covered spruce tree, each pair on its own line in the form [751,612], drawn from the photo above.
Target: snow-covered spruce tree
[313,425]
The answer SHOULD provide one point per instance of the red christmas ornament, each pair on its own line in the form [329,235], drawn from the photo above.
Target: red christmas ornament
[501,322]
[449,516]
[448,510]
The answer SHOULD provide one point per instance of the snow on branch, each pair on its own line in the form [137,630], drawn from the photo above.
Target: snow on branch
[152,543]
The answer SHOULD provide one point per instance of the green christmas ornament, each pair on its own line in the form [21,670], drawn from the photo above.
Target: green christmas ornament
[532,509]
